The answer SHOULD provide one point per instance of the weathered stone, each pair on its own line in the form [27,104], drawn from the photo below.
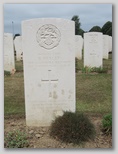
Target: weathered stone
[93,49]
[78,46]
[18,47]
[9,63]
[105,46]
[49,69]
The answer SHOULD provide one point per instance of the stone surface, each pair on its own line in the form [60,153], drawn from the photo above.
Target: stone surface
[9,64]
[93,49]
[110,43]
[78,46]
[49,69]
[105,46]
[18,47]
[31,131]
[38,135]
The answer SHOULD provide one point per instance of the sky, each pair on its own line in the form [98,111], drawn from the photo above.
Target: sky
[90,14]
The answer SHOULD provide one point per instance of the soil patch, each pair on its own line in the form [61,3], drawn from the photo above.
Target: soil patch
[39,136]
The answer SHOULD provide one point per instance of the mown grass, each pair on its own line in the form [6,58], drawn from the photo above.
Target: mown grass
[19,66]
[107,64]
[14,94]
[93,91]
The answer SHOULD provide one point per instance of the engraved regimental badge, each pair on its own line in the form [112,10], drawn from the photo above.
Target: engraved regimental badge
[48,36]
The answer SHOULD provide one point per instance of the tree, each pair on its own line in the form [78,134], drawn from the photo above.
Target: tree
[16,35]
[95,29]
[107,28]
[81,32]
[109,32]
[77,24]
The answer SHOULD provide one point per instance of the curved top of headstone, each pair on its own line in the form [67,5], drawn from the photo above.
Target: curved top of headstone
[18,38]
[8,34]
[93,33]
[105,35]
[57,19]
[48,33]
[78,36]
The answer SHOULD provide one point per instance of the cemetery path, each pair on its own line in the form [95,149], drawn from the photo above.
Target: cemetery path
[39,136]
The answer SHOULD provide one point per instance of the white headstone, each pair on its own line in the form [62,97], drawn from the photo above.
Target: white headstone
[9,63]
[49,69]
[78,46]
[18,47]
[110,43]
[105,46]
[93,49]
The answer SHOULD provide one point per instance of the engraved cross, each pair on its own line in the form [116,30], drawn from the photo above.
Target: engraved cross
[49,81]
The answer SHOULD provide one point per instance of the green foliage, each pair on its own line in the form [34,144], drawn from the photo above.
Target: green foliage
[94,69]
[77,24]
[81,32]
[76,65]
[16,35]
[7,73]
[95,29]
[72,128]
[107,28]
[16,139]
[109,32]
[14,100]
[94,93]
[19,66]
[107,123]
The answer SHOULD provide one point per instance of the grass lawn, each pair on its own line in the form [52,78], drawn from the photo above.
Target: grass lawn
[14,94]
[93,91]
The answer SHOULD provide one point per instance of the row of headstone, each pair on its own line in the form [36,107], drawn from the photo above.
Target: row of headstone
[110,43]
[93,49]
[9,61]
[48,47]
[78,46]
[105,46]
[96,48]
[9,46]
[90,60]
[18,48]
